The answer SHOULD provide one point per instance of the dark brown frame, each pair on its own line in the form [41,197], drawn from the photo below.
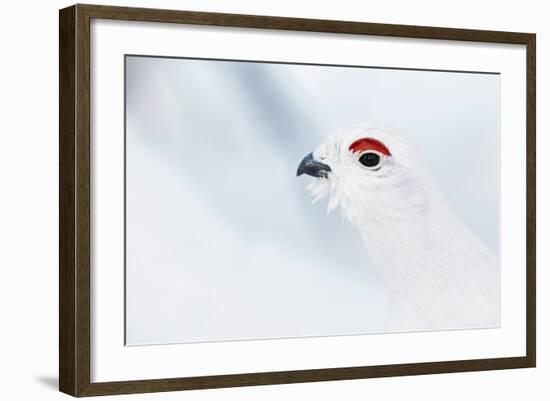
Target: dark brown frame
[74,200]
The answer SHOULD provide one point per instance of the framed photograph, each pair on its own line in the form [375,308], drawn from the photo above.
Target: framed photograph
[250,200]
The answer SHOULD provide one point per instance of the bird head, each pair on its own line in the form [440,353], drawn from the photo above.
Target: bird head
[370,172]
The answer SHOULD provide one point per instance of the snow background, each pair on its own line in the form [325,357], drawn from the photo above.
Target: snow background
[223,242]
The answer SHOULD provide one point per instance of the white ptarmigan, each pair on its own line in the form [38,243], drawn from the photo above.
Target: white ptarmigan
[438,274]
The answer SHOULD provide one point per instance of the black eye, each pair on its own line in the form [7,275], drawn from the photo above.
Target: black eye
[370,159]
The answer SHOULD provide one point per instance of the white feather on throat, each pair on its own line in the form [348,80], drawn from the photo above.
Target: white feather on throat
[438,274]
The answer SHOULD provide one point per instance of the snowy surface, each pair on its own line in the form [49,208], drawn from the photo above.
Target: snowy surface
[223,242]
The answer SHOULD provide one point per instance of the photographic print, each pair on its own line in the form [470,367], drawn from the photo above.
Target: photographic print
[255,200]
[277,200]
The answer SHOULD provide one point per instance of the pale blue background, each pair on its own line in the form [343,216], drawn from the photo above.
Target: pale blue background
[223,242]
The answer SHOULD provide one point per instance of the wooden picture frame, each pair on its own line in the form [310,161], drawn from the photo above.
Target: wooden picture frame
[74,200]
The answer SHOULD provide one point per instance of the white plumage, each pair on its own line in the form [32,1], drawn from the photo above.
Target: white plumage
[438,274]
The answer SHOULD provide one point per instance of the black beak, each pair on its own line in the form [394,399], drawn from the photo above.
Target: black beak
[312,167]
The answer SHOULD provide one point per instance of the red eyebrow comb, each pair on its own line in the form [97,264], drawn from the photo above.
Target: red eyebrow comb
[363,144]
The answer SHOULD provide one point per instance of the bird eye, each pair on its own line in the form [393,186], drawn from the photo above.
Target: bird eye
[370,160]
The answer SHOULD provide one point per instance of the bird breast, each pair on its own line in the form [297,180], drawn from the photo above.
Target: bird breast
[437,273]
